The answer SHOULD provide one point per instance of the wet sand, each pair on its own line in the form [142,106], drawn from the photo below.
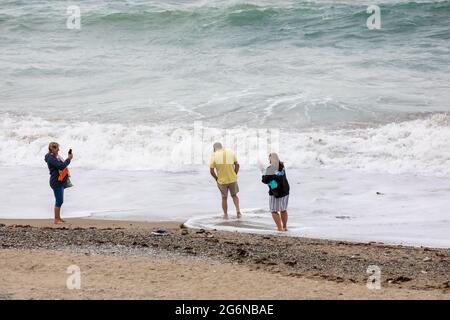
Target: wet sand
[123,260]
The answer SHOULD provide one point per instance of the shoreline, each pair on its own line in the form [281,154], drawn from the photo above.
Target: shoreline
[98,223]
[339,268]
[88,222]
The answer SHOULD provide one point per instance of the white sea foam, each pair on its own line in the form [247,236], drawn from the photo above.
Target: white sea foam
[124,91]
[419,146]
[348,205]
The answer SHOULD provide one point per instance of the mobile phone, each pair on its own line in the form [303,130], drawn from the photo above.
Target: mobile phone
[70,151]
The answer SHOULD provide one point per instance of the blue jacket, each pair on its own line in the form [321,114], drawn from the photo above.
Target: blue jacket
[54,165]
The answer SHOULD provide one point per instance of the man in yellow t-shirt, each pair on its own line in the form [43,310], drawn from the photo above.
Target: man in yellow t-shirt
[224,168]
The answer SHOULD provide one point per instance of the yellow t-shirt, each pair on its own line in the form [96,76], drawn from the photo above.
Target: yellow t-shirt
[223,161]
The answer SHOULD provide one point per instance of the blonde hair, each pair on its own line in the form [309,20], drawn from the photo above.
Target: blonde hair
[274,161]
[52,145]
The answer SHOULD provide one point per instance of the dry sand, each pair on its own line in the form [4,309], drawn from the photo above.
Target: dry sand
[121,260]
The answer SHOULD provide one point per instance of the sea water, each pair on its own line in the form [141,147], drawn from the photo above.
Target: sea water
[142,89]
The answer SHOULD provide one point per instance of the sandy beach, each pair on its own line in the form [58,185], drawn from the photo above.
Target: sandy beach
[335,111]
[123,260]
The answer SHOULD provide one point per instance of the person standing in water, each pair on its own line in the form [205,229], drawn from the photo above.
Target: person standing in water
[225,162]
[275,177]
[58,176]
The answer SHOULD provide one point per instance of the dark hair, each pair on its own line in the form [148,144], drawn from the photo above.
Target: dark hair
[281,166]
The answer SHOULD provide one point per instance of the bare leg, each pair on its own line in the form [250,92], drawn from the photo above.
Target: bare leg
[276,217]
[284,219]
[236,204]
[225,207]
[58,219]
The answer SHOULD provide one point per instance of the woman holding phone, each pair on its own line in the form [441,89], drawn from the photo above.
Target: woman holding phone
[58,176]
